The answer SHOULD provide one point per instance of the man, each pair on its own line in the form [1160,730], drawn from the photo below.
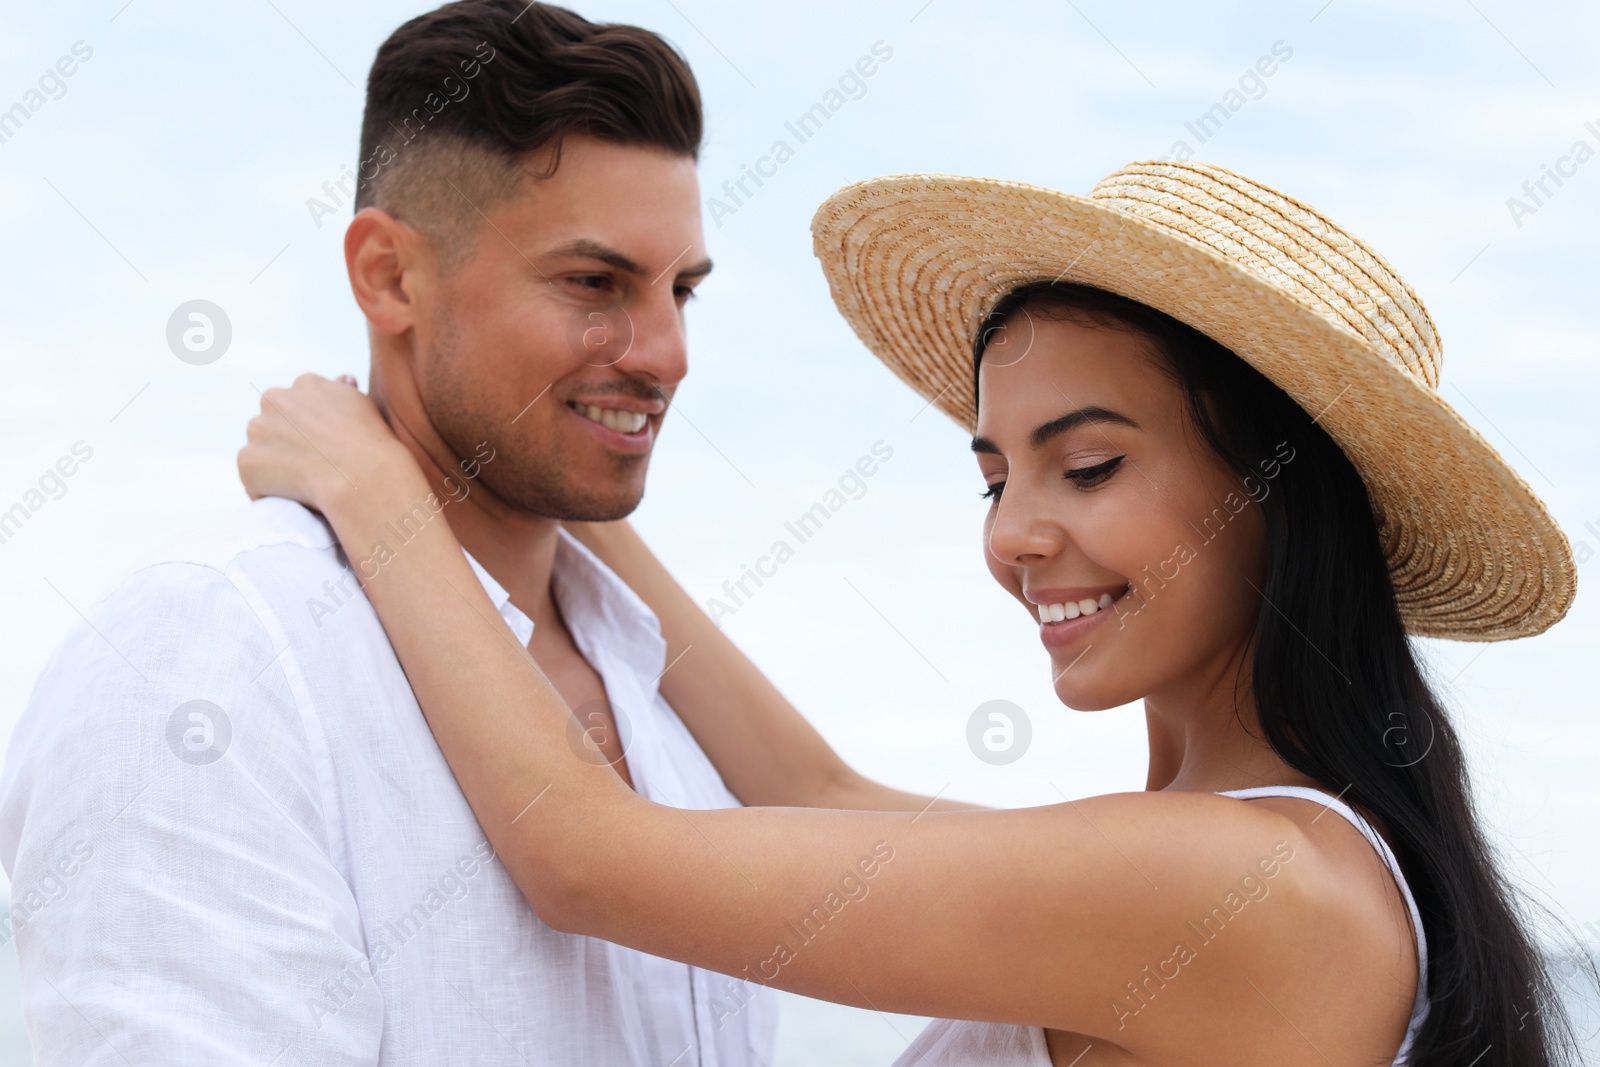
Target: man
[231,837]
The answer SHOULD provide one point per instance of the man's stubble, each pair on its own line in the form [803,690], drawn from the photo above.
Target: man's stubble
[527,472]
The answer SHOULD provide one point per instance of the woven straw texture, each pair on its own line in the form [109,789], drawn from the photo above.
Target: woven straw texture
[914,263]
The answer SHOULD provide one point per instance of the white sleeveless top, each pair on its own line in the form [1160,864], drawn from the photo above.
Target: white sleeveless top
[952,1043]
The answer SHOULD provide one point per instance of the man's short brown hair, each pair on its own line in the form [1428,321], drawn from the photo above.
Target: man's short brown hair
[459,97]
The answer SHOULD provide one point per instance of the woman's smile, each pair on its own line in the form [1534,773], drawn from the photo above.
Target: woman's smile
[1066,615]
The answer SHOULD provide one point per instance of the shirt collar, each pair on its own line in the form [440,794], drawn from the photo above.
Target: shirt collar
[520,624]
[604,615]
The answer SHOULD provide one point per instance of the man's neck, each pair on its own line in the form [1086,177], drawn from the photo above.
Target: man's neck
[516,548]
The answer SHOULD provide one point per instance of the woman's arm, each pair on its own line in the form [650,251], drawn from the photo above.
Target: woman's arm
[765,750]
[1042,916]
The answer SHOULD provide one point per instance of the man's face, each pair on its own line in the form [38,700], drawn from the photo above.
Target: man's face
[560,341]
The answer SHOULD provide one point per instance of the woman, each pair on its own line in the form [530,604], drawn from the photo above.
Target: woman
[1223,483]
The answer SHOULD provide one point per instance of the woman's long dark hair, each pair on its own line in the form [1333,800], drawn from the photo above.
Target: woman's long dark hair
[1340,694]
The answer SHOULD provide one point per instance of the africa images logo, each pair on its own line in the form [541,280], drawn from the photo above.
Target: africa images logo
[199,732]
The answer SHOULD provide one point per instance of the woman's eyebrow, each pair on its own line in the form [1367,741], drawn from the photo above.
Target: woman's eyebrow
[1046,433]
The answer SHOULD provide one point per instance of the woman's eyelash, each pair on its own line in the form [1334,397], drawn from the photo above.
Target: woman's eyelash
[1087,476]
[1084,476]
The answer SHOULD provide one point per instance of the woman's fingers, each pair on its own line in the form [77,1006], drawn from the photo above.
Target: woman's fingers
[292,445]
[312,438]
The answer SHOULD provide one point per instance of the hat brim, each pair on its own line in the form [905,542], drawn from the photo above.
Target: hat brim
[915,261]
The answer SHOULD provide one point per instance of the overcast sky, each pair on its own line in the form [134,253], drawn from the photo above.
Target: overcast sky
[177,160]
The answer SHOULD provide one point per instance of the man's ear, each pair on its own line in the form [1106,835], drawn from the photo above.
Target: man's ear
[388,262]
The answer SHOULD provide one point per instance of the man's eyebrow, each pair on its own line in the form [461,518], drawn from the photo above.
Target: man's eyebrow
[591,249]
[595,250]
[695,270]
[1046,433]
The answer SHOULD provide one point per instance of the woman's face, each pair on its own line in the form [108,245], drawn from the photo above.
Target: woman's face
[1103,493]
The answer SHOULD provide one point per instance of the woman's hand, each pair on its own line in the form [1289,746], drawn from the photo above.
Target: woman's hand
[319,440]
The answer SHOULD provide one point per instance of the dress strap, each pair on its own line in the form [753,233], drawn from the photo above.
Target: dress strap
[1419,1006]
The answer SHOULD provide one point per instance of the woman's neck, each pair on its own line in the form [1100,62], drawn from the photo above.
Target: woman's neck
[1205,736]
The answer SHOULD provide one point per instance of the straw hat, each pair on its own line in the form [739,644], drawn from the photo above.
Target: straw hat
[915,262]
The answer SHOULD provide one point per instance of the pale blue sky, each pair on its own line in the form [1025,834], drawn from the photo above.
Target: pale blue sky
[178,163]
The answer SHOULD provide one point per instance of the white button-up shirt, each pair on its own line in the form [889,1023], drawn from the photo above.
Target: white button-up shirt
[232,839]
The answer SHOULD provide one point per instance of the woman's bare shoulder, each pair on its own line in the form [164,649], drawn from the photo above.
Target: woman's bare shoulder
[1276,901]
[1307,844]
